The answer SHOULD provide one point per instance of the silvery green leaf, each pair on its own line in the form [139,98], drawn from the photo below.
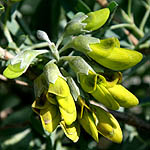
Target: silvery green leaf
[51,72]
[40,85]
[73,88]
[20,63]
[82,43]
[79,65]
[75,26]
[26,57]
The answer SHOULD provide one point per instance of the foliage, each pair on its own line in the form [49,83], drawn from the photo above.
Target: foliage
[68,70]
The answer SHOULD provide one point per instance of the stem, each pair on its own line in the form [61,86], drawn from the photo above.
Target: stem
[65,58]
[65,47]
[129,7]
[59,41]
[130,26]
[39,45]
[7,34]
[137,30]
[123,25]
[145,18]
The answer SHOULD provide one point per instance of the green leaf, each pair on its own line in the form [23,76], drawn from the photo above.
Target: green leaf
[73,88]
[21,62]
[2,9]
[112,6]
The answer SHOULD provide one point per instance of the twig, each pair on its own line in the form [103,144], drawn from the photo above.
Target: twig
[4,54]
[143,22]
[103,3]
[127,118]
[132,38]
[131,119]
[129,7]
[21,125]
[19,82]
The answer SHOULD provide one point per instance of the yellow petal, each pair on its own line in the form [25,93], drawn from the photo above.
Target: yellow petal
[108,126]
[67,108]
[71,131]
[50,117]
[96,19]
[88,123]
[40,103]
[102,95]
[123,96]
[60,87]
[110,55]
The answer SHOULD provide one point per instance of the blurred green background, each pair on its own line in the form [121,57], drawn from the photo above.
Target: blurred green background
[19,128]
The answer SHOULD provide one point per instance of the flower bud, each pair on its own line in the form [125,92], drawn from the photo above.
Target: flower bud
[60,89]
[82,23]
[96,19]
[109,54]
[106,52]
[123,96]
[71,131]
[107,125]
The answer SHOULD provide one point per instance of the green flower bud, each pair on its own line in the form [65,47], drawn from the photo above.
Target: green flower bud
[50,117]
[60,89]
[96,19]
[85,23]
[107,125]
[71,131]
[106,52]
[123,96]
[75,26]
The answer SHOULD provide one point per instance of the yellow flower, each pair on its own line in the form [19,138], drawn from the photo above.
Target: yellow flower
[65,101]
[123,96]
[49,113]
[106,52]
[109,54]
[96,19]
[107,125]
[59,89]
[81,23]
[109,93]
[50,117]
[87,121]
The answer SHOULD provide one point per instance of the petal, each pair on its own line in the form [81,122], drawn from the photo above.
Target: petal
[50,117]
[102,95]
[88,123]
[108,126]
[71,131]
[88,82]
[123,96]
[67,108]
[60,87]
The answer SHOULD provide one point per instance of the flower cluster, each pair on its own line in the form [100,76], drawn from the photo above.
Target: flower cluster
[60,101]
[55,106]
